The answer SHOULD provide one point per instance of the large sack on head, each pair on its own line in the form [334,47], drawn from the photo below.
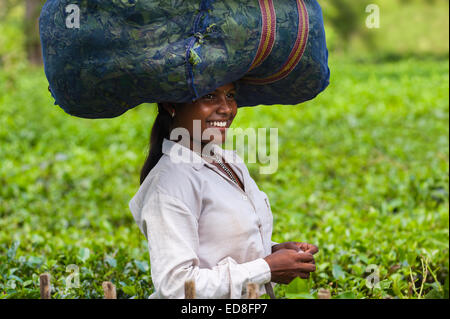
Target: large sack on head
[127,52]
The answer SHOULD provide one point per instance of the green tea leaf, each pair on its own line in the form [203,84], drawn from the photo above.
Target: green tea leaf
[346,295]
[338,273]
[129,290]
[84,254]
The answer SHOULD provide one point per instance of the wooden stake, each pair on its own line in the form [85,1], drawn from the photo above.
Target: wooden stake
[324,294]
[189,289]
[252,291]
[109,290]
[44,284]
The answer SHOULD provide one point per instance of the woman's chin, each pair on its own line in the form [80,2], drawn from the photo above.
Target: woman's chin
[218,141]
[216,138]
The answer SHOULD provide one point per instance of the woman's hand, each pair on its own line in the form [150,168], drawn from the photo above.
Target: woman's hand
[287,264]
[296,246]
[305,247]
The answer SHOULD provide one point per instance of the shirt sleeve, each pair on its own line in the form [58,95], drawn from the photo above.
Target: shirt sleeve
[172,233]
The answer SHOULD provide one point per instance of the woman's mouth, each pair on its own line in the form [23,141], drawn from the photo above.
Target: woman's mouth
[217,124]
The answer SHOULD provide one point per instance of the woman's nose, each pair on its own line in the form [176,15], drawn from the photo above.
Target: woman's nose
[225,105]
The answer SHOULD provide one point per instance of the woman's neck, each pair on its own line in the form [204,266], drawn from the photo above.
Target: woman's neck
[195,146]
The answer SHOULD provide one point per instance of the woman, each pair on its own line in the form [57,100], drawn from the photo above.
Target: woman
[205,219]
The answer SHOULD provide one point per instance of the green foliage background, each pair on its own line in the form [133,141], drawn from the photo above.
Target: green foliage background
[363,169]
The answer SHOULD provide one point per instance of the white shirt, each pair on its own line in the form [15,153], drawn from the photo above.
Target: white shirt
[201,226]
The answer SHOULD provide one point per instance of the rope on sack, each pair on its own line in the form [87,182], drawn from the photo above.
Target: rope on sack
[198,33]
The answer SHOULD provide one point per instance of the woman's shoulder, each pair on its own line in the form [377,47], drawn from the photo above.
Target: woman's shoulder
[177,180]
[169,174]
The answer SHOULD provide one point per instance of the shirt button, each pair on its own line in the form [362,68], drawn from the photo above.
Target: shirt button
[244,197]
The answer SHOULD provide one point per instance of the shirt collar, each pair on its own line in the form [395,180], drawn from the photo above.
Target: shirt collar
[178,153]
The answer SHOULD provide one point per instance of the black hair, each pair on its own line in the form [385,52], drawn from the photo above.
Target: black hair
[160,130]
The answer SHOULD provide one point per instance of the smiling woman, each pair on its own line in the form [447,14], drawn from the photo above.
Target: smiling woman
[184,115]
[207,221]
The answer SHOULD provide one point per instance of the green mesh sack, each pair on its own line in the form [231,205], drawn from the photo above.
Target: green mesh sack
[104,57]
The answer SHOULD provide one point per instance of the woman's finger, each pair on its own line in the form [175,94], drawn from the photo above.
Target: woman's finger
[305,257]
[312,249]
[304,267]
[308,248]
[304,275]
[290,245]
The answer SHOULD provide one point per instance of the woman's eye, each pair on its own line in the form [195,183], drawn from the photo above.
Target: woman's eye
[209,96]
[231,95]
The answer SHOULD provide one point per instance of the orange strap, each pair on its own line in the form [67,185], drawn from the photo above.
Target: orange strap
[268,32]
[296,52]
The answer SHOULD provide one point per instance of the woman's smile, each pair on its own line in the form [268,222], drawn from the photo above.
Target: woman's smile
[219,124]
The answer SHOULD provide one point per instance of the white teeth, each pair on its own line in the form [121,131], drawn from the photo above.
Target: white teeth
[219,124]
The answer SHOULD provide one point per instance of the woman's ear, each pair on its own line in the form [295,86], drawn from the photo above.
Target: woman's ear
[170,108]
[167,107]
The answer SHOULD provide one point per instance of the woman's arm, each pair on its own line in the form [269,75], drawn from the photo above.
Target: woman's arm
[172,232]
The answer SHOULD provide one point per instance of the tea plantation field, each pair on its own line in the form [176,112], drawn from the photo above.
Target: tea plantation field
[363,173]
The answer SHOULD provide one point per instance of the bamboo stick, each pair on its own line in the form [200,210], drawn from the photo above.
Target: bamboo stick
[109,290]
[189,289]
[252,291]
[44,285]
[324,294]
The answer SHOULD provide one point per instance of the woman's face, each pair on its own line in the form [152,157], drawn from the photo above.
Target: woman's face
[215,111]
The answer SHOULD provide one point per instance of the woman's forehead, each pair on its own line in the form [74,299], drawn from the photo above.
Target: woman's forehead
[229,86]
